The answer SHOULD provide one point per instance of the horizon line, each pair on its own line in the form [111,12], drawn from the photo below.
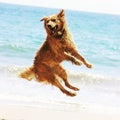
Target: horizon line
[52,7]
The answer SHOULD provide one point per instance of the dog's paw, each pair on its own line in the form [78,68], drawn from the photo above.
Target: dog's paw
[76,89]
[71,94]
[89,65]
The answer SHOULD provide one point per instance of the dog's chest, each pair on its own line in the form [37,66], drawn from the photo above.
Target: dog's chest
[57,46]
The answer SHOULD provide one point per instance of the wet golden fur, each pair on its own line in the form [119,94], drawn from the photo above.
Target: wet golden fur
[57,47]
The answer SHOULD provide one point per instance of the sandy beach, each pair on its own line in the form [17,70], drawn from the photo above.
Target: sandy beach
[14,112]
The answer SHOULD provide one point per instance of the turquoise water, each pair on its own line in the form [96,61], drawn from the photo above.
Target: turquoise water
[21,33]
[97,37]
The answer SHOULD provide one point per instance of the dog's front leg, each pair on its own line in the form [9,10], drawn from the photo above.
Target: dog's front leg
[72,59]
[75,53]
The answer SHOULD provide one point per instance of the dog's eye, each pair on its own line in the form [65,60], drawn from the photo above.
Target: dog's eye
[53,20]
[47,21]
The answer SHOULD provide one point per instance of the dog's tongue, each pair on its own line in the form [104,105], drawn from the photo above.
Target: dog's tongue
[53,29]
[52,32]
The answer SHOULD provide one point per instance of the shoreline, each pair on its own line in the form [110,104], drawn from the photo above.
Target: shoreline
[15,112]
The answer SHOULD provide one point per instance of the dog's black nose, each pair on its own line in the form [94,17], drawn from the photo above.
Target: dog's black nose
[49,26]
[52,28]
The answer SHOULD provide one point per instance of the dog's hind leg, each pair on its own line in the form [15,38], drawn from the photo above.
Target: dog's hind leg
[46,74]
[62,73]
[57,84]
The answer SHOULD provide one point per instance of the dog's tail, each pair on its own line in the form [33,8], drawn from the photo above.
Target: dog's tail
[28,74]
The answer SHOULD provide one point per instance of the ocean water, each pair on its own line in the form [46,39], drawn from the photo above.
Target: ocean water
[97,37]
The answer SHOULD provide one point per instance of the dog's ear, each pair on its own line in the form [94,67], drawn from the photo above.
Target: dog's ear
[61,14]
[44,18]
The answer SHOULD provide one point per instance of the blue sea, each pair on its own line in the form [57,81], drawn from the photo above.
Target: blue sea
[97,37]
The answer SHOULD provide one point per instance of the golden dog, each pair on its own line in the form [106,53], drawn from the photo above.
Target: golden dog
[57,47]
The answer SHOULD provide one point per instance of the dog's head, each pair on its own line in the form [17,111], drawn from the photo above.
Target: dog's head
[54,24]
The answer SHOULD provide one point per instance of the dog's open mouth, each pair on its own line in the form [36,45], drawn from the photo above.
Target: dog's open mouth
[53,29]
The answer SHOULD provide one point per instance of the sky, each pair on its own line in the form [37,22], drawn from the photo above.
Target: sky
[99,6]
